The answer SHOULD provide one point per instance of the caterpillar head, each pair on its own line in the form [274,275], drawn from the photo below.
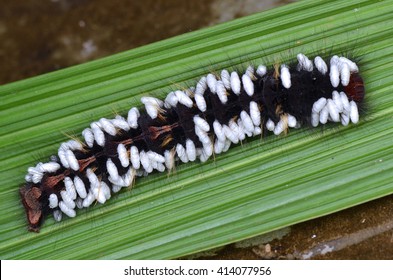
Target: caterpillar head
[31,197]
[355,88]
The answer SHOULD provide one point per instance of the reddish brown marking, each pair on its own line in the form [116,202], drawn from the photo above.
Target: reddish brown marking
[156,131]
[84,163]
[127,142]
[49,182]
[355,89]
[133,140]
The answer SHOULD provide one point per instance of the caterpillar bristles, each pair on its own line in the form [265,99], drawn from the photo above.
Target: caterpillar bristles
[194,123]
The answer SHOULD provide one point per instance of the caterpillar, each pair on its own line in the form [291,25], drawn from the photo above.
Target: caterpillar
[221,110]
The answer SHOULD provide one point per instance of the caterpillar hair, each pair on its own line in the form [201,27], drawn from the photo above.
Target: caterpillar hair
[219,111]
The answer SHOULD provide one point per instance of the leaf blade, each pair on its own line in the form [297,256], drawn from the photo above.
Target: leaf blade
[203,206]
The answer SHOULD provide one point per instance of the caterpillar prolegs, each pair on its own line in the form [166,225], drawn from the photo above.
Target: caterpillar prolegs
[221,110]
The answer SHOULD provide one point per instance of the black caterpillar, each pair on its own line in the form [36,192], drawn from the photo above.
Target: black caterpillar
[190,124]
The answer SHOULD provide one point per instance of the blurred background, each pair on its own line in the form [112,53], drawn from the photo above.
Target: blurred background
[40,36]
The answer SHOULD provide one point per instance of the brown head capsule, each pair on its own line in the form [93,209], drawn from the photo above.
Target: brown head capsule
[31,201]
[355,88]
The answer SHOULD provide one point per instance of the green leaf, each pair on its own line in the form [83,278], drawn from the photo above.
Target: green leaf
[256,187]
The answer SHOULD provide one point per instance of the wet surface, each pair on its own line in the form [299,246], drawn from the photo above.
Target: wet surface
[45,35]
[362,232]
